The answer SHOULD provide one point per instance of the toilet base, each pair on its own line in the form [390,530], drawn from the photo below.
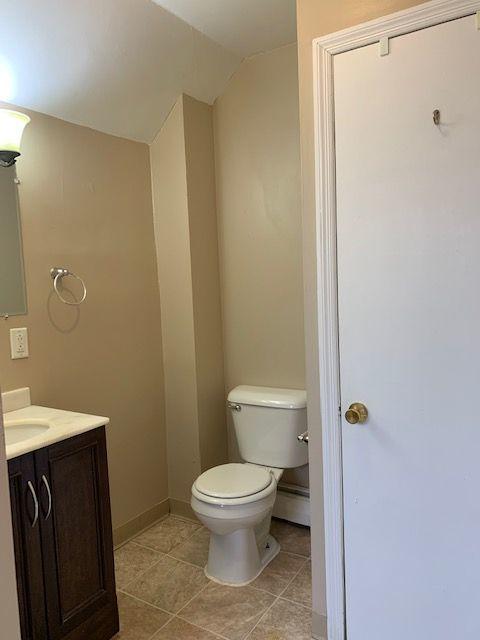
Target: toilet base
[235,560]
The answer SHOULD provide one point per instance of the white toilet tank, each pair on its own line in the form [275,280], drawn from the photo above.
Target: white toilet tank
[267,422]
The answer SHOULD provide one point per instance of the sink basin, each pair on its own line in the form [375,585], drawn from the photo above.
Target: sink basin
[19,430]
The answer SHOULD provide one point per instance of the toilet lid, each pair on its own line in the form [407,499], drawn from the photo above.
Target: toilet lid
[234,480]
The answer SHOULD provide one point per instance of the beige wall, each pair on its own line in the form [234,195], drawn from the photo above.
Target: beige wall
[258,199]
[186,239]
[170,204]
[207,313]
[315,19]
[85,201]
[12,289]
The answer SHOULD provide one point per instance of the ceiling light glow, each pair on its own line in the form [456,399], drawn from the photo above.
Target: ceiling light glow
[7,84]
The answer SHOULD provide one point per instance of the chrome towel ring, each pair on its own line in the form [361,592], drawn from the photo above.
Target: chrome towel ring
[57,274]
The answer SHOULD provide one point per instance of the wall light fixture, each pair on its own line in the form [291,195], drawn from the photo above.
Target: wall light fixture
[12,124]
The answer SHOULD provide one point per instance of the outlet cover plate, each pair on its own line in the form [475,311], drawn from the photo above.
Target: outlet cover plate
[19,343]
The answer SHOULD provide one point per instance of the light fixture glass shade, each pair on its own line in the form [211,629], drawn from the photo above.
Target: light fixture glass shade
[12,124]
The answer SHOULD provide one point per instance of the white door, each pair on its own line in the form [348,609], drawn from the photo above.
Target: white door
[408,207]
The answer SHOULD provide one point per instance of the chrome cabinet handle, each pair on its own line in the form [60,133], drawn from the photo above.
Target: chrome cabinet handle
[35,502]
[49,493]
[303,437]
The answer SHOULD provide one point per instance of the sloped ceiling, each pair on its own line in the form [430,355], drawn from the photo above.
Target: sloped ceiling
[114,65]
[243,26]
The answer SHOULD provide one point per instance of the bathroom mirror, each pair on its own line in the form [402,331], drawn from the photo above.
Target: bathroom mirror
[12,281]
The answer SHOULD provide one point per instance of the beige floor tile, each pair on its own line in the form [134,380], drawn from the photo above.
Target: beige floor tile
[167,534]
[138,621]
[292,538]
[278,574]
[195,549]
[169,585]
[300,590]
[284,621]
[132,560]
[180,630]
[229,611]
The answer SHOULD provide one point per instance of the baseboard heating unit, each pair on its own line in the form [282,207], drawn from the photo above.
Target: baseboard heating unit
[292,504]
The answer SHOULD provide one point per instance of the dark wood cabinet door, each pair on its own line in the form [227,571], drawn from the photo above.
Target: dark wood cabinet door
[76,537]
[28,553]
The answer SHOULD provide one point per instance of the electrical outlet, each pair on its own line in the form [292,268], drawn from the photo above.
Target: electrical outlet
[19,343]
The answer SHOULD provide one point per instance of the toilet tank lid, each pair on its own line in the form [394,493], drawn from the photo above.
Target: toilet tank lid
[269,397]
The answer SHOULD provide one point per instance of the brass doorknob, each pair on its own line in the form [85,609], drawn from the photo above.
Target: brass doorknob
[356,413]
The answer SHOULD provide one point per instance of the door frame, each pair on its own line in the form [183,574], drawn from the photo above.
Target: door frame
[330,445]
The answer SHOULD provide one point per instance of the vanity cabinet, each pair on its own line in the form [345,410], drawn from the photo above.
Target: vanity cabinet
[63,540]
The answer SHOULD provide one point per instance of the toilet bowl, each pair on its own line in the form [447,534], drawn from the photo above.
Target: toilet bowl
[235,501]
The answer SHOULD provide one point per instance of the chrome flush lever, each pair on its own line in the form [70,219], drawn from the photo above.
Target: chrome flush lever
[303,437]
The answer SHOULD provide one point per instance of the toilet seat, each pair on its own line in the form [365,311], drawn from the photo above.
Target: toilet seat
[234,484]
[234,480]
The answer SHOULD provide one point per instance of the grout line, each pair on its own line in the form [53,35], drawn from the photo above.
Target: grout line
[168,572]
[154,564]
[190,564]
[172,616]
[178,614]
[195,596]
[140,544]
[145,546]
[140,575]
[294,578]
[167,554]
[197,525]
[196,626]
[296,555]
[275,595]
[297,604]
[249,634]
[139,533]
[278,598]
[154,606]
[169,613]
[162,627]
[196,566]
[278,595]
[185,519]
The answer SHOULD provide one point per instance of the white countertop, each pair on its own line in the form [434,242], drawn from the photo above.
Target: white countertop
[63,425]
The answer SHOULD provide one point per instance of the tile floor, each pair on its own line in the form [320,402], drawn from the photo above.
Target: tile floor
[163,593]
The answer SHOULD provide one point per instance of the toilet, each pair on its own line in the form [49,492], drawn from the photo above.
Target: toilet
[235,501]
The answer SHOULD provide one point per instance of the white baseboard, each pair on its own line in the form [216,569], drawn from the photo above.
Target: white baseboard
[292,507]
